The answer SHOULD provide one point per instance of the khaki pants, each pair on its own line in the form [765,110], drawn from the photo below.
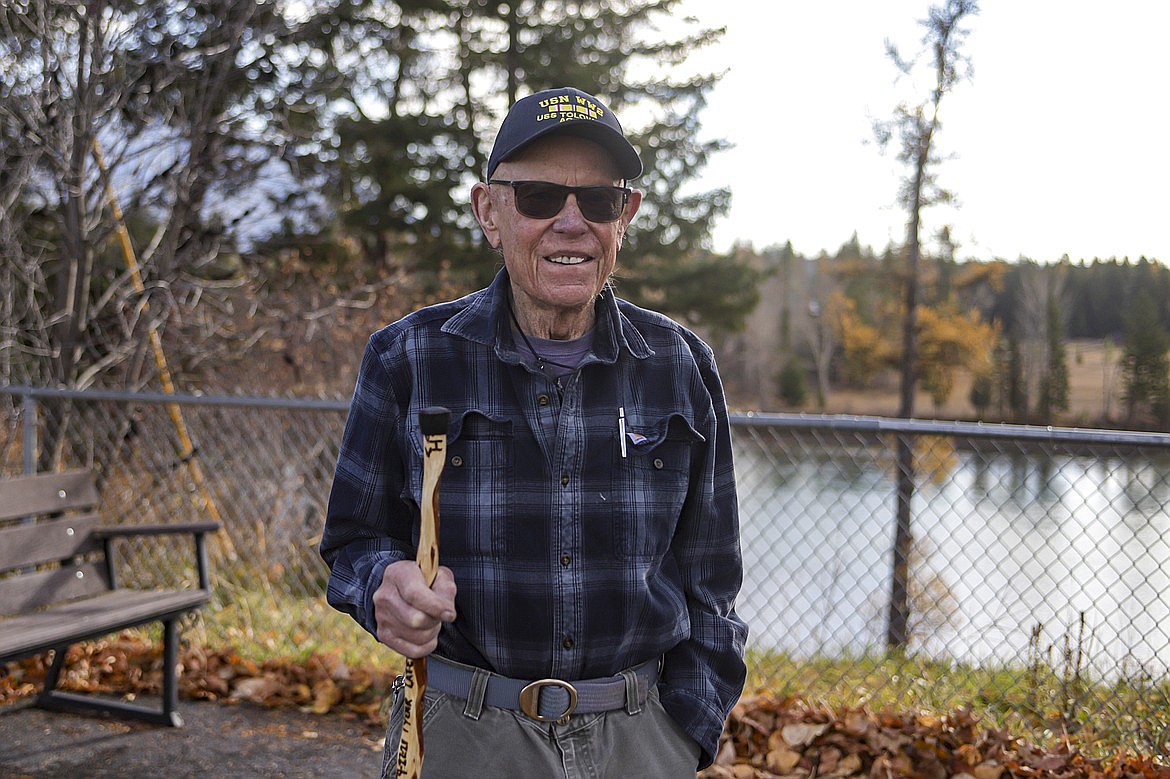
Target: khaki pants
[504,744]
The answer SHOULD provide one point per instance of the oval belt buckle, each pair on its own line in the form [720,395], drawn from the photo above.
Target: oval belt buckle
[530,700]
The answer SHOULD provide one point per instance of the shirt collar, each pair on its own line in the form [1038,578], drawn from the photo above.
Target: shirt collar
[485,320]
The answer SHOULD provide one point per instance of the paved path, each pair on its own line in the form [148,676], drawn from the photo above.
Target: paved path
[217,740]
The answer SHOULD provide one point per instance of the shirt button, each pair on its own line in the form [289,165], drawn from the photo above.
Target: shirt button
[658,463]
[543,400]
[566,559]
[564,479]
[457,461]
[567,643]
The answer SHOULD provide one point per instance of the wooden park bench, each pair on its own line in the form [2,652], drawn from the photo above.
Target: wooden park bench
[59,585]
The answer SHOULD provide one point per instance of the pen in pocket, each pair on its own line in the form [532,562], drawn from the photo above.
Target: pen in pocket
[622,429]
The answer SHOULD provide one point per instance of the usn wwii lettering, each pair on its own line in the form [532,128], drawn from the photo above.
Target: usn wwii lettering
[565,108]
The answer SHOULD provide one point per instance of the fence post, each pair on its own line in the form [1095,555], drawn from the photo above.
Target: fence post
[28,407]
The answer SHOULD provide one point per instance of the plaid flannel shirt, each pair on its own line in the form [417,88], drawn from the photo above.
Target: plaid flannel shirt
[575,557]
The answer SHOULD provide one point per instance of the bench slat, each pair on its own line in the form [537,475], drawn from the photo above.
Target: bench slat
[45,493]
[31,544]
[33,590]
[93,617]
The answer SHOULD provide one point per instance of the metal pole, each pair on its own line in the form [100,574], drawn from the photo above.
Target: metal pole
[28,406]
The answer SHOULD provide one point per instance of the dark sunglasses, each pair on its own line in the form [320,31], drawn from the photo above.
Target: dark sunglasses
[543,199]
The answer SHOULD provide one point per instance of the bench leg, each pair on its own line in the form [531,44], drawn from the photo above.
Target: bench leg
[58,700]
[54,674]
[170,691]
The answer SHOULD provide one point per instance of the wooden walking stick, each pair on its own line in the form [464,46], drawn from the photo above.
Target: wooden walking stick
[433,422]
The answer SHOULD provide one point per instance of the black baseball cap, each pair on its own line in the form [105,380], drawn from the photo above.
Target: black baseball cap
[569,111]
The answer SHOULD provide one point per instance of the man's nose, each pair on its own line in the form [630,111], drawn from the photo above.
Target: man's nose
[570,216]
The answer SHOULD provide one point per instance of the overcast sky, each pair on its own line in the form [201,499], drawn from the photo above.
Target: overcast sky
[1061,140]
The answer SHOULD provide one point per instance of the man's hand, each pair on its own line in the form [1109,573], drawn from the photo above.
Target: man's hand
[409,614]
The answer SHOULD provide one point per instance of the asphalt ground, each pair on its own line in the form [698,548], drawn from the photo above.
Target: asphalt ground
[216,740]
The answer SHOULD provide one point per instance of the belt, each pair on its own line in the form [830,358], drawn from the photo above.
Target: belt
[544,700]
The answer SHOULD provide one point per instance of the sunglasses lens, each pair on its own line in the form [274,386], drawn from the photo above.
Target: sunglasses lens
[601,204]
[539,200]
[543,200]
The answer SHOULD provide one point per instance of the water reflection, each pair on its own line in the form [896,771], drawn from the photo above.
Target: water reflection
[1009,540]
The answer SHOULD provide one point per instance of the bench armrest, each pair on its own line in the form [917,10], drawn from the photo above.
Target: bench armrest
[197,529]
[157,529]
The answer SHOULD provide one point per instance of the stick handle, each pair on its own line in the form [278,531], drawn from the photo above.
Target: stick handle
[433,422]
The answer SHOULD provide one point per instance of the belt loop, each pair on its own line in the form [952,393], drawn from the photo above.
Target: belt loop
[479,681]
[633,705]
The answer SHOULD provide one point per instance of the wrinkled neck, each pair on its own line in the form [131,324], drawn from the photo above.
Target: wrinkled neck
[552,324]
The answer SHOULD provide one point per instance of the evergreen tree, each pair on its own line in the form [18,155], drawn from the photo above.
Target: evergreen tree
[602,46]
[1145,363]
[1054,381]
[414,129]
[982,394]
[792,383]
[1017,383]
[387,139]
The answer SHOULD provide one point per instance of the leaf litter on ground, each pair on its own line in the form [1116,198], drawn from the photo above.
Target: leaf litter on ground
[765,738]
[769,738]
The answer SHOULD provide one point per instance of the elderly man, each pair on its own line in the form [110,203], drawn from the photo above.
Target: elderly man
[589,533]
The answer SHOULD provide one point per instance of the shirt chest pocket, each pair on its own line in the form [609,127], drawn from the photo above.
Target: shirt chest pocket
[474,487]
[652,482]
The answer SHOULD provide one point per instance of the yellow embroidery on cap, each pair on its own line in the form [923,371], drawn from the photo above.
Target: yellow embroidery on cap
[564,108]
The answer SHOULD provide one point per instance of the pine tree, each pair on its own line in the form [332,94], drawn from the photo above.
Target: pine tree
[1017,383]
[1145,363]
[1054,382]
[792,383]
[414,130]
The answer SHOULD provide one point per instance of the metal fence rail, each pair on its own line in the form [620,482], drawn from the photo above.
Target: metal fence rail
[1037,582]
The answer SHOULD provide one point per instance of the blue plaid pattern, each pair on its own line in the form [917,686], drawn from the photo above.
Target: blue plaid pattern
[571,560]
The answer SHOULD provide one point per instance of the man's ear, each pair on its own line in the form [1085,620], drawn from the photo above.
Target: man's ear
[628,214]
[632,205]
[485,213]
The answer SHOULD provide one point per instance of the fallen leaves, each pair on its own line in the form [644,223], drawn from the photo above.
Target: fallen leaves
[800,734]
[767,738]
[130,665]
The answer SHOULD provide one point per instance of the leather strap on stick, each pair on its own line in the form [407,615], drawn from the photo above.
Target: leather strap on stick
[433,422]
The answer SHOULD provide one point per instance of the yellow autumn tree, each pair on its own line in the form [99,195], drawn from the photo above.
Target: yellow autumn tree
[866,349]
[952,336]
[949,341]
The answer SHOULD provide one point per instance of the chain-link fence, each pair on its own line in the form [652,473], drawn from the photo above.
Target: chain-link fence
[1031,580]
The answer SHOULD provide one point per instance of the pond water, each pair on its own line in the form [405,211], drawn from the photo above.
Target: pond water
[1015,556]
